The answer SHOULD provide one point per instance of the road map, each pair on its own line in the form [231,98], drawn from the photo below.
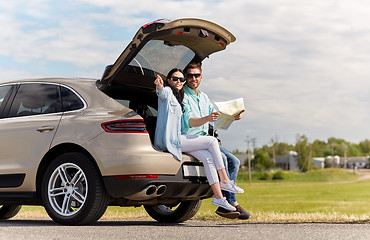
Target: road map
[229,110]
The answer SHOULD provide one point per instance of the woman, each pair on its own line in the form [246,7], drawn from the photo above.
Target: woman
[205,148]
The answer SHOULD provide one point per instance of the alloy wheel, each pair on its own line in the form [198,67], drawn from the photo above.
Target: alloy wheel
[67,189]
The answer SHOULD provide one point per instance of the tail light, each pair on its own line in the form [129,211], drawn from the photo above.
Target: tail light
[145,176]
[125,126]
[156,21]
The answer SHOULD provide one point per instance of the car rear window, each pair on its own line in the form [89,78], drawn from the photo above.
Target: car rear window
[160,56]
[70,100]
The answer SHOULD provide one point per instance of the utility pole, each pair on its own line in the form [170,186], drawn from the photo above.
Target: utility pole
[249,156]
[273,141]
[310,158]
[345,157]
[249,162]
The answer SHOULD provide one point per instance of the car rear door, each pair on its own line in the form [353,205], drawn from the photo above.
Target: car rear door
[160,46]
[27,131]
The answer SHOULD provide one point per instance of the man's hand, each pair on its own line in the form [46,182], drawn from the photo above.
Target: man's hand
[197,122]
[239,116]
[158,82]
[213,116]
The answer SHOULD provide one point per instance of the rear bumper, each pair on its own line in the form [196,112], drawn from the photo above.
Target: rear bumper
[172,187]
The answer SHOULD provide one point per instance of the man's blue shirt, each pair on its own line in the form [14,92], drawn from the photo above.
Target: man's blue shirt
[195,106]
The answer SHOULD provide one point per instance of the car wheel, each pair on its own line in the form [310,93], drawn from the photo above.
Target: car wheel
[9,211]
[174,214]
[73,192]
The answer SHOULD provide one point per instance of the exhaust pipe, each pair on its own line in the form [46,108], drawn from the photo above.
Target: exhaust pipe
[161,189]
[146,193]
[149,192]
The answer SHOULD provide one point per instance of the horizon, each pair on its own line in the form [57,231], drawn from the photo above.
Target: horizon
[301,67]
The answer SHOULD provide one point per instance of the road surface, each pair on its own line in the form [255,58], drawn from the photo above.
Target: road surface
[46,229]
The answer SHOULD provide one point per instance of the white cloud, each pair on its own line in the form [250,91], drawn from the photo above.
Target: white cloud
[301,66]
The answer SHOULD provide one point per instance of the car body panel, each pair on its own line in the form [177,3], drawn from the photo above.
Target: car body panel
[27,144]
[127,161]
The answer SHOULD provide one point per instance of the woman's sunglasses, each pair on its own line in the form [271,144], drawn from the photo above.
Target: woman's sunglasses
[175,79]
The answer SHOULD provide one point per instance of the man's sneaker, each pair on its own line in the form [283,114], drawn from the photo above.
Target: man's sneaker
[231,187]
[227,214]
[243,214]
[222,202]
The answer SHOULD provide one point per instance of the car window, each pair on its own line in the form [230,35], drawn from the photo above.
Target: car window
[152,111]
[160,56]
[34,99]
[125,103]
[70,100]
[4,92]
[141,108]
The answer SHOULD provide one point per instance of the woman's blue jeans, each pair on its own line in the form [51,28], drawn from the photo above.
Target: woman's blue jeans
[232,165]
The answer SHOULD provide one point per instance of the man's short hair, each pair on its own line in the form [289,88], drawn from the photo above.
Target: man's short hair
[193,65]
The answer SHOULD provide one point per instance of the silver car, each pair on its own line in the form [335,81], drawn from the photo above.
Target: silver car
[76,145]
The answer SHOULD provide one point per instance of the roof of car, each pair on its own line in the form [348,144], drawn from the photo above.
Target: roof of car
[49,80]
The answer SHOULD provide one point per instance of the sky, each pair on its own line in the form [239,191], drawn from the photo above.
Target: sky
[301,67]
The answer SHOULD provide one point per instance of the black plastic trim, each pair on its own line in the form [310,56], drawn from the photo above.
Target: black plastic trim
[19,198]
[11,180]
[178,187]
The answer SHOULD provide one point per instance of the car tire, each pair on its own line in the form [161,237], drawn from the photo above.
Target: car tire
[9,211]
[73,192]
[174,214]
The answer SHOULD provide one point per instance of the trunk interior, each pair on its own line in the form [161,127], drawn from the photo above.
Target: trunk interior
[143,101]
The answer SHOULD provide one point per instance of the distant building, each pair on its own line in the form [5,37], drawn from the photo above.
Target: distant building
[243,157]
[288,161]
[319,162]
[355,162]
[333,161]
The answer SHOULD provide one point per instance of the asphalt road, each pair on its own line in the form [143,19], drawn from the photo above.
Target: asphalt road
[46,229]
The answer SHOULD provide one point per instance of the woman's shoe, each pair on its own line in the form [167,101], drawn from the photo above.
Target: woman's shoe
[222,202]
[231,187]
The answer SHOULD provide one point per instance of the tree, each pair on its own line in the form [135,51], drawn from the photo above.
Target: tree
[319,149]
[283,149]
[303,150]
[354,150]
[262,160]
[236,151]
[365,147]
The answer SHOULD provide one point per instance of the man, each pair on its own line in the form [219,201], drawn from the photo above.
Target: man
[198,112]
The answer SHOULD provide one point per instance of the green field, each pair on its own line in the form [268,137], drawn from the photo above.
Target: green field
[318,195]
[329,195]
[316,191]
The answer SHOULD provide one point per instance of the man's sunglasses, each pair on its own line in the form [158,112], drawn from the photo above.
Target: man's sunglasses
[175,79]
[190,75]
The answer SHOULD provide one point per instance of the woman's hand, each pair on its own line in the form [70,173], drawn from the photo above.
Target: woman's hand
[158,82]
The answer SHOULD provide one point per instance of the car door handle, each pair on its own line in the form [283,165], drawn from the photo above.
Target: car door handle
[45,129]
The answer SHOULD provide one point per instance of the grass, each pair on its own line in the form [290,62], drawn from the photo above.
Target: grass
[322,175]
[329,195]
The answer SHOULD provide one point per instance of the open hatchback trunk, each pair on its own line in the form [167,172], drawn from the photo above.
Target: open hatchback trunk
[156,48]
[162,45]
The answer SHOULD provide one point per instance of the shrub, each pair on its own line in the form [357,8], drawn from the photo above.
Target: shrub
[278,175]
[264,176]
[258,167]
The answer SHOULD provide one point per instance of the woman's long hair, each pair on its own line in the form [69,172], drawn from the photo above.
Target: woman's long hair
[179,94]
